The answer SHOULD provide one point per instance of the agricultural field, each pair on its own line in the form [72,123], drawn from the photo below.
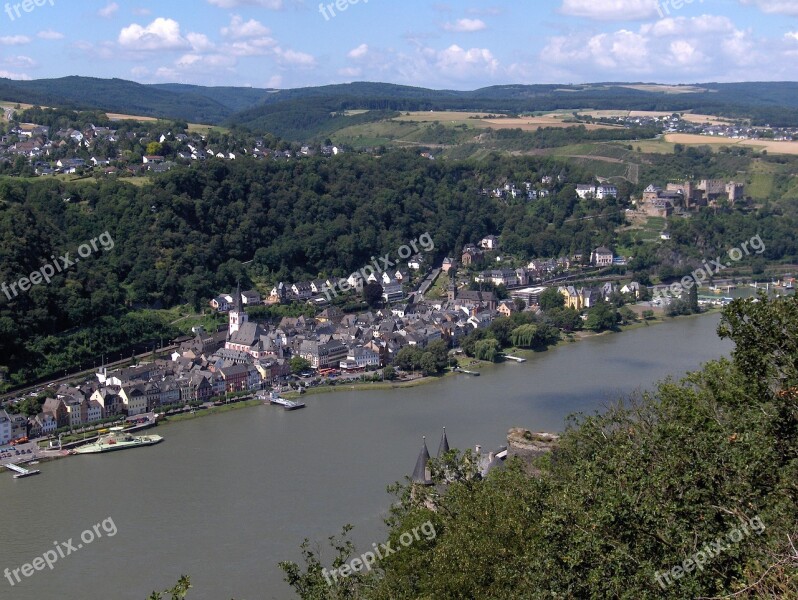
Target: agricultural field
[772,147]
[487,120]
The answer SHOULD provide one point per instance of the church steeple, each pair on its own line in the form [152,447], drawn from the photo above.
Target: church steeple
[237,315]
[237,304]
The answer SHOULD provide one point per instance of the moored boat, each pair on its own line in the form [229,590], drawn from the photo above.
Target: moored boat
[117,439]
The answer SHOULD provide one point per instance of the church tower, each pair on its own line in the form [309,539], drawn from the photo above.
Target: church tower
[237,315]
[452,286]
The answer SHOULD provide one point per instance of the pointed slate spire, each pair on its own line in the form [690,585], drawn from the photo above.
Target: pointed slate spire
[237,306]
[420,473]
[444,446]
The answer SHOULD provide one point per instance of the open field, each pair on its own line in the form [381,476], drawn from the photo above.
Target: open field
[121,117]
[666,89]
[483,120]
[702,140]
[701,119]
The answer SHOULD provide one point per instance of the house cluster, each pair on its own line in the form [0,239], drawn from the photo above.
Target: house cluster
[597,191]
[321,291]
[676,123]
[70,150]
[685,196]
[476,255]
[529,190]
[580,298]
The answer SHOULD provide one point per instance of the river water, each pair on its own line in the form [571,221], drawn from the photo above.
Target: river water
[225,498]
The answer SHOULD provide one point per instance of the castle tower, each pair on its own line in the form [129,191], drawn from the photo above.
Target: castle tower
[421,474]
[444,446]
[237,316]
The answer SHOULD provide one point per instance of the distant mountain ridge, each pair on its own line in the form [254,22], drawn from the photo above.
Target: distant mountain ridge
[774,103]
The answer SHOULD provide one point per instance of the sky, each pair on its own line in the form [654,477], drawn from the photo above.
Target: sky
[441,45]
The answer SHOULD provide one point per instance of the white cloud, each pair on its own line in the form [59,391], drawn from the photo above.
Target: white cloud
[359,52]
[199,42]
[780,7]
[14,40]
[240,29]
[350,72]
[612,10]
[109,10]
[458,62]
[256,47]
[161,34]
[10,75]
[295,58]
[465,25]
[23,62]
[141,11]
[49,34]
[673,49]
[271,4]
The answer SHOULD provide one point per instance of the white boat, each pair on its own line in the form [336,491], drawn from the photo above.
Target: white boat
[274,398]
[117,439]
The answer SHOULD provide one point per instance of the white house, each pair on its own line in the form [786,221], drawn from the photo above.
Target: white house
[5,427]
[606,191]
[490,242]
[602,257]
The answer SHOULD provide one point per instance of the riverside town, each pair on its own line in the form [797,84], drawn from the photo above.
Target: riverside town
[398,300]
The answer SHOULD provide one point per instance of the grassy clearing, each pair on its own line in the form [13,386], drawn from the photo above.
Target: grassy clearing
[211,411]
[760,186]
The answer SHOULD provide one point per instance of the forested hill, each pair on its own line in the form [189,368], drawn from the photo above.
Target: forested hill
[774,103]
[185,238]
[115,95]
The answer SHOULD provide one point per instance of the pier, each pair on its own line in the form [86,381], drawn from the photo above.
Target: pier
[459,370]
[274,398]
[515,358]
[21,472]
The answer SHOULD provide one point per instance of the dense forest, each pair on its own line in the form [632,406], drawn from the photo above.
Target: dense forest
[186,238]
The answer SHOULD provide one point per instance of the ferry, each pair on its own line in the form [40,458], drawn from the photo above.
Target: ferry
[274,398]
[117,439]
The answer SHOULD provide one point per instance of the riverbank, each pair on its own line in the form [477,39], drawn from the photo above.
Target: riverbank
[214,410]
[478,365]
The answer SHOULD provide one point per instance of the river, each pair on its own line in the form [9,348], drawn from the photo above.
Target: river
[225,498]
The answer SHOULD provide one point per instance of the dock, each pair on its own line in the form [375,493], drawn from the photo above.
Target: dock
[21,472]
[515,358]
[275,399]
[474,373]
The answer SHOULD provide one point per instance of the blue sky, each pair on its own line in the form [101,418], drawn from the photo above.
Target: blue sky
[457,45]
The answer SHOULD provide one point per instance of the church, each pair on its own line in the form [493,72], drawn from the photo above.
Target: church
[251,338]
